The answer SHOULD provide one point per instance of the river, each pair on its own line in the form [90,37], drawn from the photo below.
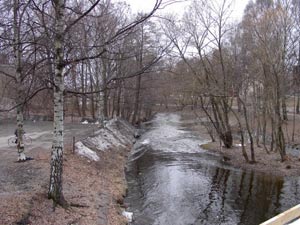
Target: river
[172,181]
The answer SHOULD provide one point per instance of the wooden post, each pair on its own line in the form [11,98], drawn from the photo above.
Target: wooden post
[73,145]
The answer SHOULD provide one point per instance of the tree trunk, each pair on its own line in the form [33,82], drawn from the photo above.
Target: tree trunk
[273,134]
[136,99]
[221,118]
[83,106]
[226,138]
[20,93]
[264,129]
[92,97]
[139,59]
[249,132]
[55,187]
[76,100]
[119,93]
[298,104]
[280,141]
[284,109]
[105,92]
[294,118]
[244,152]
[239,104]
[114,99]
[223,131]
[250,137]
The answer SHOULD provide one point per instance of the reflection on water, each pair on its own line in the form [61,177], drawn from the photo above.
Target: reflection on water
[185,187]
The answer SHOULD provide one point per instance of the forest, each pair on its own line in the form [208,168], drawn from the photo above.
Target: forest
[92,61]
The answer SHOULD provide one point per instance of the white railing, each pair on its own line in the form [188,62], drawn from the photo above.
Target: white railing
[289,217]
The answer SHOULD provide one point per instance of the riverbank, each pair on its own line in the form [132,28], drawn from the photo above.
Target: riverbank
[268,163]
[265,163]
[94,189]
[171,177]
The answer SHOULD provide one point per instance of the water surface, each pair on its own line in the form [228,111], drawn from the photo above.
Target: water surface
[172,181]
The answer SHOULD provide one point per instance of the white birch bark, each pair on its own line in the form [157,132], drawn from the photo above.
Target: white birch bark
[55,186]
[20,93]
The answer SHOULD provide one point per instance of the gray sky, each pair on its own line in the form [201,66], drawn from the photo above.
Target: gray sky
[147,5]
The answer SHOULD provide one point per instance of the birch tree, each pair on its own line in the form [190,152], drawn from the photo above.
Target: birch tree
[61,61]
[18,40]
[55,187]
[17,47]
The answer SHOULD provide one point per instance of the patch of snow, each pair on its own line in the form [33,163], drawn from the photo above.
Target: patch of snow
[138,152]
[127,126]
[123,140]
[99,143]
[128,215]
[82,150]
[97,122]
[85,122]
[239,145]
[116,134]
[111,122]
[145,142]
[104,140]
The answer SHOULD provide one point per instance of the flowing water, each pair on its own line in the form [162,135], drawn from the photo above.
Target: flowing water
[172,181]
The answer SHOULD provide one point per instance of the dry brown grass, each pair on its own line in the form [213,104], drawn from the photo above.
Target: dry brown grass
[93,187]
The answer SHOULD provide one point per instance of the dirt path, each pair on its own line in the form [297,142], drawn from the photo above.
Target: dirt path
[21,176]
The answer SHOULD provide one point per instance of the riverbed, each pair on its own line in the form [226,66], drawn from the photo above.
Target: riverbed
[173,181]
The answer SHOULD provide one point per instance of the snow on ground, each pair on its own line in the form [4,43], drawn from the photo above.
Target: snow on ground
[128,215]
[116,134]
[119,128]
[85,151]
[85,122]
[104,140]
[145,142]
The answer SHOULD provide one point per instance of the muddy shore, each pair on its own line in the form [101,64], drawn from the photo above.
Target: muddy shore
[265,163]
[268,163]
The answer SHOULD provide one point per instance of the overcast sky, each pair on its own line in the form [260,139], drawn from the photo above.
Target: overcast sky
[147,5]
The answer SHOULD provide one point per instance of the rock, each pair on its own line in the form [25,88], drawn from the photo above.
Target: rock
[225,158]
[137,135]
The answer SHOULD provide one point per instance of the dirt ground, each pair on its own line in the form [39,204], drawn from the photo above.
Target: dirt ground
[265,163]
[93,189]
[269,163]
